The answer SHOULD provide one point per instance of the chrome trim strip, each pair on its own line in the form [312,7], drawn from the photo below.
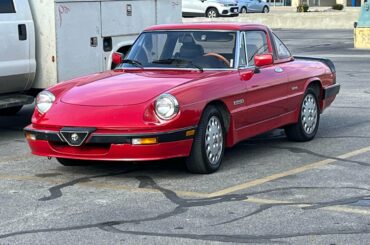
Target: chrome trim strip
[102,134]
[144,134]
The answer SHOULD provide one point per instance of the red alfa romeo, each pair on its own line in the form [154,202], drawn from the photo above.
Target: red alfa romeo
[187,90]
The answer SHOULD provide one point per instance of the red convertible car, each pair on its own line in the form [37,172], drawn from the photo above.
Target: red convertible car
[184,90]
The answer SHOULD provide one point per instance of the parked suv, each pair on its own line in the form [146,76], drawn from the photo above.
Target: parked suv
[209,8]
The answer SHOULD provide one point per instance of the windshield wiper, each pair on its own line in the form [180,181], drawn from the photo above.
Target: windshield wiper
[133,62]
[177,61]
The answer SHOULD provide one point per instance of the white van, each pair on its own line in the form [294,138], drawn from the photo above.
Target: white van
[46,42]
[209,8]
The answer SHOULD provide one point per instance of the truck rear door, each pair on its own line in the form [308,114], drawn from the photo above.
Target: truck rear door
[17,68]
[79,44]
[168,12]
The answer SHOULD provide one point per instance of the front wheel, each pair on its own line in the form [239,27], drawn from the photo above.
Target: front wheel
[209,143]
[265,10]
[212,13]
[243,10]
[309,118]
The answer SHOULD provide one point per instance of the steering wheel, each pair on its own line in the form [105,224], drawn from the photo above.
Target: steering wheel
[220,57]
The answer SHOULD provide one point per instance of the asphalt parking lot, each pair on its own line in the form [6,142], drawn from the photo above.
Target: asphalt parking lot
[269,190]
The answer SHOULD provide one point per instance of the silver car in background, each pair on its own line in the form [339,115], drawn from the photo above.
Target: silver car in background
[209,8]
[253,6]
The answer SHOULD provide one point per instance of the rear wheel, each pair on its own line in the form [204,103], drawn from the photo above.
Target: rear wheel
[243,10]
[10,111]
[212,13]
[74,162]
[209,143]
[265,10]
[309,118]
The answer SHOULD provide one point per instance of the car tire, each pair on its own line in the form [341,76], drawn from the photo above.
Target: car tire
[265,10]
[209,143]
[73,162]
[243,10]
[309,119]
[212,13]
[10,111]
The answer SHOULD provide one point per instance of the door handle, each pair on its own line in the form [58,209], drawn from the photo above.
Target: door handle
[94,42]
[22,32]
[279,69]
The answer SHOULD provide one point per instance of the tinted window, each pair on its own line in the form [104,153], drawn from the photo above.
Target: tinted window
[6,6]
[281,49]
[256,44]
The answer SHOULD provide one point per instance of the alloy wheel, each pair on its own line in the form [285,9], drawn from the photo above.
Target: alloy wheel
[214,140]
[309,114]
[212,14]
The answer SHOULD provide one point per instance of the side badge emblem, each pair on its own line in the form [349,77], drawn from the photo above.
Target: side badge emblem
[239,102]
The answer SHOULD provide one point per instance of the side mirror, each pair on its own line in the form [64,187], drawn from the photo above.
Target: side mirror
[263,60]
[117,58]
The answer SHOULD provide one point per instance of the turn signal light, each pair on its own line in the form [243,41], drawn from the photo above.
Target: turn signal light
[190,133]
[30,136]
[144,141]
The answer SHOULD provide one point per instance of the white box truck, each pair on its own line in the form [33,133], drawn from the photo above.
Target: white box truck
[46,42]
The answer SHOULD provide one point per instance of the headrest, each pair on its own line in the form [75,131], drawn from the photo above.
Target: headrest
[187,39]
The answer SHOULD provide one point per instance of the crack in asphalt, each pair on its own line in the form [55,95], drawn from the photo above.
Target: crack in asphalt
[306,151]
[182,205]
[56,191]
[313,205]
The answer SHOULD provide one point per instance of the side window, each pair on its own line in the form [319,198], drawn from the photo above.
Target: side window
[242,52]
[6,7]
[281,49]
[256,44]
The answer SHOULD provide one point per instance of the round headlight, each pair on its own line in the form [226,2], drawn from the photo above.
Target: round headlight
[166,107]
[44,101]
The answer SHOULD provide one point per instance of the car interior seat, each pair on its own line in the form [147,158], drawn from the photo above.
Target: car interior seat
[189,49]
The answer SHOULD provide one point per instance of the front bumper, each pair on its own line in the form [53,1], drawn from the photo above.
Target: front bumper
[329,94]
[229,11]
[111,147]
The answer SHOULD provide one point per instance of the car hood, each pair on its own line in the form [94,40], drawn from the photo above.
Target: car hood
[126,88]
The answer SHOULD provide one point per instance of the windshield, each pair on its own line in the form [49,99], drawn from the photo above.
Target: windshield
[183,49]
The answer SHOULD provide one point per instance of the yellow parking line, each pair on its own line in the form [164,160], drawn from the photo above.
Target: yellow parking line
[341,209]
[304,168]
[108,186]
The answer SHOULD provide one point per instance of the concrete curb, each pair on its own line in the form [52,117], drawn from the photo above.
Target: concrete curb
[310,20]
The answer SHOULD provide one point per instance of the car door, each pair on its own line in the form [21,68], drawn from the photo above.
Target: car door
[295,82]
[197,7]
[253,6]
[266,88]
[16,29]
